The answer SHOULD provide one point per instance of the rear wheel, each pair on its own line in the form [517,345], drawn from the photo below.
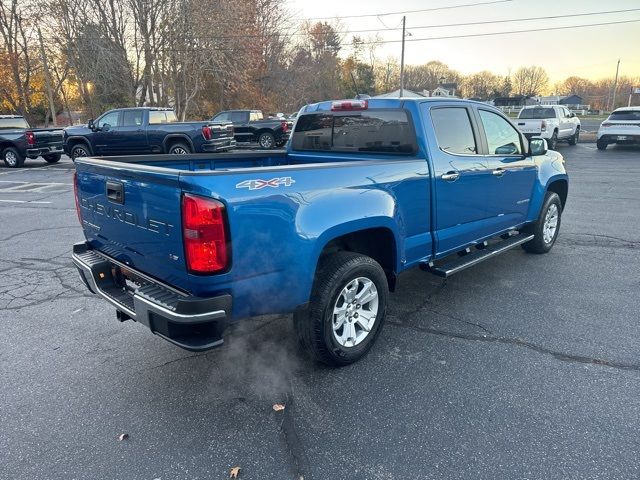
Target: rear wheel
[266,140]
[553,141]
[574,138]
[80,150]
[179,149]
[52,157]
[12,158]
[546,228]
[347,309]
[602,145]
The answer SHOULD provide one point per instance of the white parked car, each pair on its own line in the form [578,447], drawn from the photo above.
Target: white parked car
[622,127]
[553,122]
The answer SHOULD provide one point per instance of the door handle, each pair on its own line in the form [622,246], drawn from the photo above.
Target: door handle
[498,172]
[450,176]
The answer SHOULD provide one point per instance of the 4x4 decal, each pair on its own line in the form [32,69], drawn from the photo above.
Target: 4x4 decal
[259,184]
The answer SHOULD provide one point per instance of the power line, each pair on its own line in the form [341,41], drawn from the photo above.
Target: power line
[487,22]
[449,37]
[503,33]
[409,11]
[548,17]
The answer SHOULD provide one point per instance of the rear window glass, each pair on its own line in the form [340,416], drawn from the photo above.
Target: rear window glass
[8,123]
[162,116]
[374,131]
[625,115]
[537,113]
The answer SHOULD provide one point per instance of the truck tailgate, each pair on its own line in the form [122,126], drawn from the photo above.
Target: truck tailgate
[48,137]
[133,215]
[529,126]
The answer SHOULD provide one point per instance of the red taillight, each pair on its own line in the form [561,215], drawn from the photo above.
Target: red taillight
[285,126]
[31,138]
[75,194]
[343,105]
[543,125]
[206,132]
[204,234]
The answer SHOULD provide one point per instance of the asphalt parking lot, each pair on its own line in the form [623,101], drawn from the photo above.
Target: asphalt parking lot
[525,366]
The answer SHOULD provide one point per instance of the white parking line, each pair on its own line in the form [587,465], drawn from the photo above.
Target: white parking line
[22,201]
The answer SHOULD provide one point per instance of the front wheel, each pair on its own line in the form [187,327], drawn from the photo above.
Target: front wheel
[546,228]
[12,158]
[574,138]
[52,157]
[79,150]
[347,309]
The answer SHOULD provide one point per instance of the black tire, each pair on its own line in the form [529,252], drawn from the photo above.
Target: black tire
[80,150]
[12,158]
[266,141]
[537,228]
[179,149]
[52,157]
[575,137]
[553,141]
[601,145]
[314,326]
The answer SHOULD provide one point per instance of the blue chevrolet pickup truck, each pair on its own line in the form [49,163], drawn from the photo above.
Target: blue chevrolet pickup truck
[366,190]
[144,130]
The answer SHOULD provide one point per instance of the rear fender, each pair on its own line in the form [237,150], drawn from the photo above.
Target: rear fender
[169,139]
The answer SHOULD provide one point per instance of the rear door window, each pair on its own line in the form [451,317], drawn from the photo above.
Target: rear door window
[453,130]
[374,131]
[132,118]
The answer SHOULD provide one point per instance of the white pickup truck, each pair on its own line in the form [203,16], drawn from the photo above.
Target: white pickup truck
[552,122]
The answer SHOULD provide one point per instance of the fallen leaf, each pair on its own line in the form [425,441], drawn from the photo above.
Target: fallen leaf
[124,436]
[233,473]
[278,407]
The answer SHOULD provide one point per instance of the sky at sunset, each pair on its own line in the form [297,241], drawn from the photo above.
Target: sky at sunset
[590,52]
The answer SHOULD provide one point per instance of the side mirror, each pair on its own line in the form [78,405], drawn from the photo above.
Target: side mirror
[538,146]
[91,125]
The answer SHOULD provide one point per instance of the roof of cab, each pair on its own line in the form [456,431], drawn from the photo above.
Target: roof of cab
[387,102]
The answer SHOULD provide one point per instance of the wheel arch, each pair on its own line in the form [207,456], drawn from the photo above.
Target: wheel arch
[73,141]
[174,138]
[561,187]
[377,242]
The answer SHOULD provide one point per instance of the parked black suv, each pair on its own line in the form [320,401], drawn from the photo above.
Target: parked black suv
[19,141]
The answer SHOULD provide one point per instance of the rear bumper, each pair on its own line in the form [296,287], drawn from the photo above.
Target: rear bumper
[219,145]
[193,323]
[39,151]
[622,139]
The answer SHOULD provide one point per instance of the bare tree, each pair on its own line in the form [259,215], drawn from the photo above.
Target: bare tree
[530,81]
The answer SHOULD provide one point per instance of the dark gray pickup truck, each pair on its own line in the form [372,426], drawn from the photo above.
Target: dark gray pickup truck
[19,141]
[251,127]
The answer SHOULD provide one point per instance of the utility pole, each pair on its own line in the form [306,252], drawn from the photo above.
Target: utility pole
[47,79]
[404,23]
[615,87]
